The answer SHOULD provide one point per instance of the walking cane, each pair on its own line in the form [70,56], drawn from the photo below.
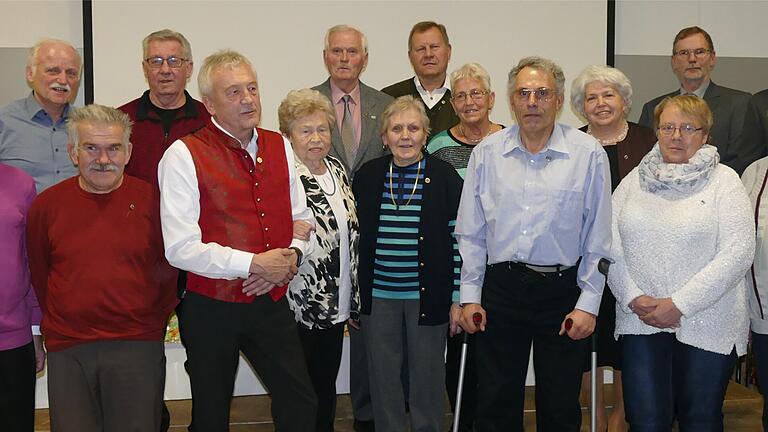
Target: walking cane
[477,318]
[592,379]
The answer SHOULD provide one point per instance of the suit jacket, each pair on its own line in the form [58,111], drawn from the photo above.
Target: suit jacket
[441,116]
[728,107]
[372,105]
[756,123]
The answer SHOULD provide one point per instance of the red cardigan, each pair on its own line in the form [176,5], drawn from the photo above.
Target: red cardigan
[148,138]
[98,264]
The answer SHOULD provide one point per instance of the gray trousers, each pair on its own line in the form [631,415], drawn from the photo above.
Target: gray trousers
[426,366]
[114,386]
[359,383]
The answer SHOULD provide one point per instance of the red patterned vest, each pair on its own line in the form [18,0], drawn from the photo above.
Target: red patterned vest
[243,205]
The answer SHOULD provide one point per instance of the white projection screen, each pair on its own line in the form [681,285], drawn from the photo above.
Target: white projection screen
[284,40]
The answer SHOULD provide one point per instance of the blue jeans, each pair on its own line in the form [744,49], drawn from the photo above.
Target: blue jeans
[661,373]
[760,348]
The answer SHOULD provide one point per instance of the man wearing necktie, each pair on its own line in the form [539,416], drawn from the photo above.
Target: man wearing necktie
[354,141]
[693,60]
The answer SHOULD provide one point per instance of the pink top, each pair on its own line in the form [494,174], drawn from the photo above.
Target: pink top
[18,304]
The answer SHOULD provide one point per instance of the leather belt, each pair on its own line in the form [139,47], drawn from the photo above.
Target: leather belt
[557,268]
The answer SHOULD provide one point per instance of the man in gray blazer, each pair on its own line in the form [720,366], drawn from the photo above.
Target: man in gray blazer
[358,107]
[693,59]
[355,140]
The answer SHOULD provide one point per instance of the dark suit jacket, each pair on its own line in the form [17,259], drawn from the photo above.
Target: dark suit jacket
[441,116]
[728,109]
[756,122]
[372,104]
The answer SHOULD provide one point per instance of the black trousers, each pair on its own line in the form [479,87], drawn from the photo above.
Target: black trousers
[526,308]
[215,332]
[17,389]
[322,351]
[469,391]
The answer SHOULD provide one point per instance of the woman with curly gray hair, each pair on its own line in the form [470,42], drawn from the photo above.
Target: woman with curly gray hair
[324,295]
[602,96]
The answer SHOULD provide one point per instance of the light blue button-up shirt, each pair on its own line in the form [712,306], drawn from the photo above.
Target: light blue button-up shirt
[548,208]
[30,140]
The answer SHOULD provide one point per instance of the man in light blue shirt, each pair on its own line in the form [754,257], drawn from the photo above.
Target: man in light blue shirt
[533,225]
[33,135]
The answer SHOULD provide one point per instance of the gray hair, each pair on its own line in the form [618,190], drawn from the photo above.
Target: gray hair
[471,71]
[219,60]
[97,114]
[301,103]
[401,105]
[34,50]
[542,64]
[342,28]
[603,74]
[168,35]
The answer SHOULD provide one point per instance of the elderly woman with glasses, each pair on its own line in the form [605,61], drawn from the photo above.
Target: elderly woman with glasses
[683,238]
[602,96]
[324,294]
[407,204]
[472,101]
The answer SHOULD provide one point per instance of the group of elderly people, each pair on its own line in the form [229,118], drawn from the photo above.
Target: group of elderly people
[682,242]
[384,257]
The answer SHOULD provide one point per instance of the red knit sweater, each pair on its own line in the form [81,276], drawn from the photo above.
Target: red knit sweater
[97,264]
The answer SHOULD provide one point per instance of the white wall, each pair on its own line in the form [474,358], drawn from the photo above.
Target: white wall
[738,28]
[285,39]
[26,22]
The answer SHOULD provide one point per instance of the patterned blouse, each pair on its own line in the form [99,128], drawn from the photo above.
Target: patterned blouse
[314,293]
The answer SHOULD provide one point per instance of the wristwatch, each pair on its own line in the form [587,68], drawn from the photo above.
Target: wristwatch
[299,255]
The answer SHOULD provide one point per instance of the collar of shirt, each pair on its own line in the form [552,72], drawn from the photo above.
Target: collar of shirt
[38,114]
[252,146]
[337,94]
[555,145]
[699,91]
[433,97]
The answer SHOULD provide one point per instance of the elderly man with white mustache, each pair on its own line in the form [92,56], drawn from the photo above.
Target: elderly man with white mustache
[32,132]
[104,286]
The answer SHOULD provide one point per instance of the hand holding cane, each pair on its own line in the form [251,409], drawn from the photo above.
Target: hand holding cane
[477,318]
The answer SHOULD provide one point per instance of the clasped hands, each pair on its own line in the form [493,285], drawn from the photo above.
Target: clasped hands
[657,312]
[275,267]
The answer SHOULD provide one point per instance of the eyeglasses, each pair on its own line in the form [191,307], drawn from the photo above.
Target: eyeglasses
[685,129]
[540,94]
[474,94]
[698,52]
[157,62]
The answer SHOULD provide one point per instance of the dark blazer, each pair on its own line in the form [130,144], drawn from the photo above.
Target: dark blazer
[756,123]
[372,105]
[631,150]
[728,109]
[441,116]
[439,205]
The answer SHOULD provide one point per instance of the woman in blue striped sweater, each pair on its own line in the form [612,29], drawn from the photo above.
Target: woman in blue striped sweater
[409,269]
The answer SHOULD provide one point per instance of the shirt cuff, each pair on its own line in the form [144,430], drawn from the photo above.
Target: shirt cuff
[241,263]
[589,302]
[36,330]
[470,294]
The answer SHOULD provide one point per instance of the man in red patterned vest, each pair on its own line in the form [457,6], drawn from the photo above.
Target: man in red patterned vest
[229,197]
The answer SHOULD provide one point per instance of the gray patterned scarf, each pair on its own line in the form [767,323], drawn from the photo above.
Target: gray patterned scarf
[686,178]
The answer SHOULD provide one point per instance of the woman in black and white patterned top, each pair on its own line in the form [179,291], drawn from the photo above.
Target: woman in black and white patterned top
[324,295]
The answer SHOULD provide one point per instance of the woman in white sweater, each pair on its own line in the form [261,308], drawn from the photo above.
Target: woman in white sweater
[683,238]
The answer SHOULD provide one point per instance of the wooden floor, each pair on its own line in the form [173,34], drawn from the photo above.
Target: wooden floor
[742,410]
